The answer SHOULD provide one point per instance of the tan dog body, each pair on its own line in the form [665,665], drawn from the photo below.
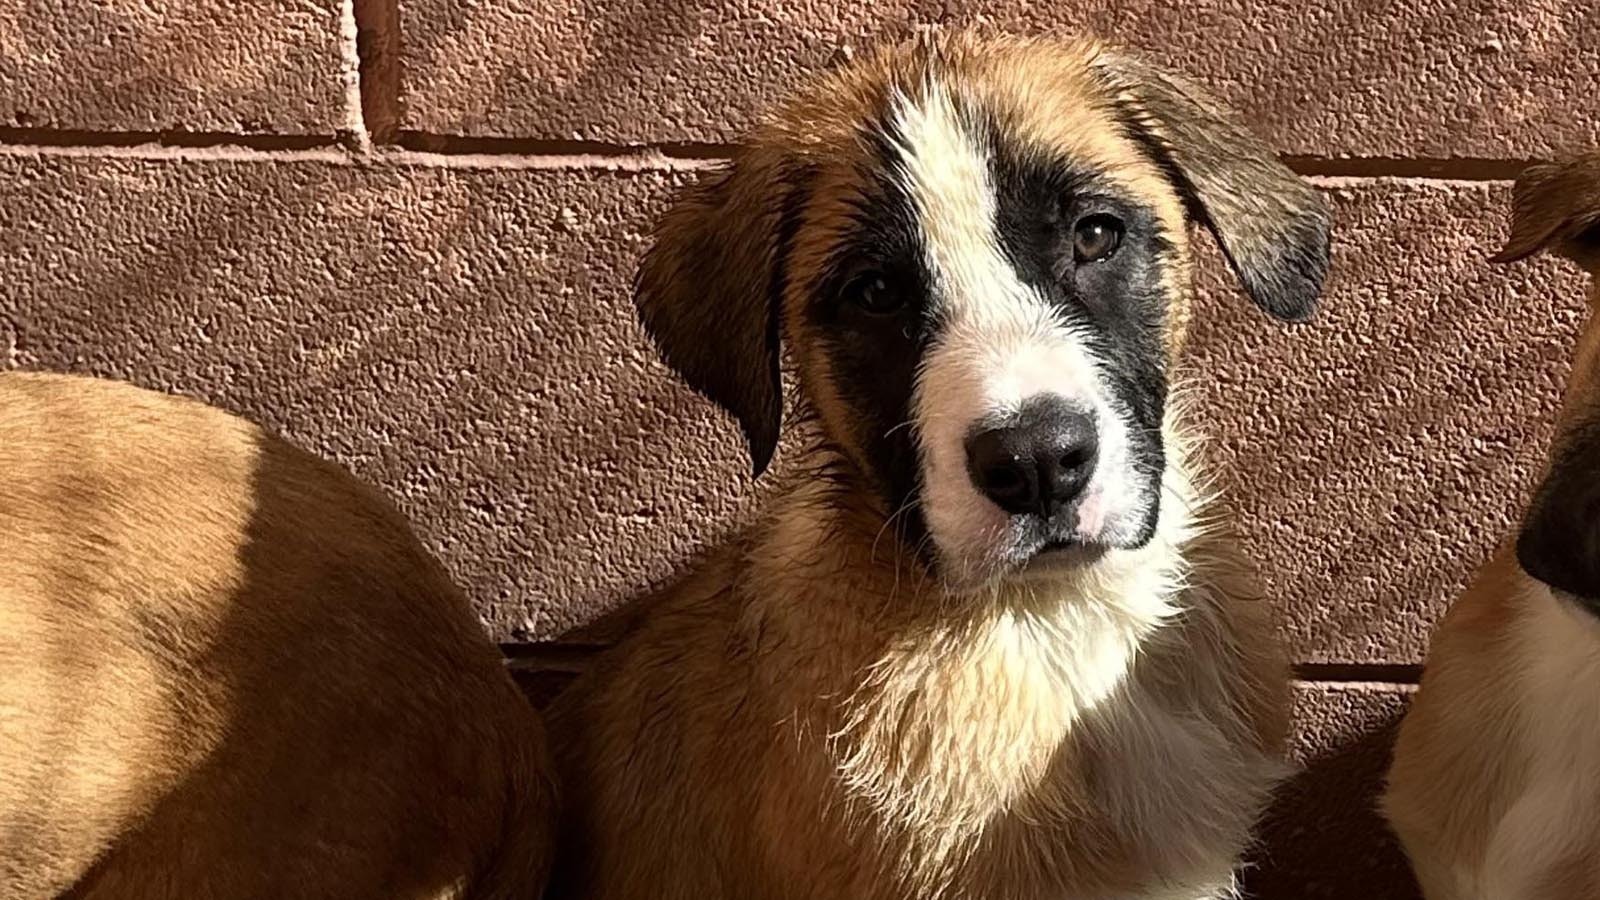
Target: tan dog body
[1494,790]
[819,710]
[1495,785]
[229,671]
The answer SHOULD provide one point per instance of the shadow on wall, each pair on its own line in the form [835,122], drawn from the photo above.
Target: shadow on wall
[1324,838]
[446,333]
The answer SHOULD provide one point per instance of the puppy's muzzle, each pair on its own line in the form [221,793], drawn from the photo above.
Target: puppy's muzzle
[1038,463]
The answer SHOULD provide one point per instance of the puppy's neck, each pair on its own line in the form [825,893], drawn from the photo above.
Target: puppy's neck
[947,706]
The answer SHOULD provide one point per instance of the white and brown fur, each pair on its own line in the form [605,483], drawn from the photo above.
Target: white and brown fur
[888,687]
[1495,786]
[228,670]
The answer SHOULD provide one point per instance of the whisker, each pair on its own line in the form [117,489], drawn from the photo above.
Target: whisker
[905,507]
[906,424]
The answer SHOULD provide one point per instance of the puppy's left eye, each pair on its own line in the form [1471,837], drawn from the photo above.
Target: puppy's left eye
[1096,238]
[876,294]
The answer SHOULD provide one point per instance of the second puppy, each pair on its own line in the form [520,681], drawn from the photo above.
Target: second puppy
[1495,786]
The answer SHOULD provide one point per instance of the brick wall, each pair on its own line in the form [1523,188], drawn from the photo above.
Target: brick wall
[400,233]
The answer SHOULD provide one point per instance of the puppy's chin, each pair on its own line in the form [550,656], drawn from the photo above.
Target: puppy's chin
[1044,562]
[1030,554]
[1059,559]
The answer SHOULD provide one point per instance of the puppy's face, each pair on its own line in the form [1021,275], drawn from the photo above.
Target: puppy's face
[1557,208]
[977,252]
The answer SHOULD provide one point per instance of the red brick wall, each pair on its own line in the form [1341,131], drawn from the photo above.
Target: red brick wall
[401,233]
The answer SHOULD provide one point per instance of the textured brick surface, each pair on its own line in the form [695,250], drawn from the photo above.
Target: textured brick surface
[1437,78]
[1375,457]
[1323,839]
[463,336]
[262,66]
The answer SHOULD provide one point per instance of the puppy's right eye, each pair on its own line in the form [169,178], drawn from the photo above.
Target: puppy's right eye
[875,294]
[1096,237]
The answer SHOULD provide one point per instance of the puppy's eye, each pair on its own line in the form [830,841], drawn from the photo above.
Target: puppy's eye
[1096,238]
[875,294]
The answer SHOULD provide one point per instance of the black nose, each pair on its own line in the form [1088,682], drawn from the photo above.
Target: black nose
[1039,463]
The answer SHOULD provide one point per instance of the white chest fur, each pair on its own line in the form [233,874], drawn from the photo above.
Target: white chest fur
[959,724]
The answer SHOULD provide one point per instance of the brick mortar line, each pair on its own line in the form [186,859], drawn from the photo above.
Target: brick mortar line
[331,152]
[1418,168]
[410,147]
[457,145]
[642,163]
[355,131]
[1358,673]
[58,138]
[377,49]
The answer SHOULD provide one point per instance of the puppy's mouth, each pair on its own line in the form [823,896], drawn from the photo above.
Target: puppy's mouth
[1061,554]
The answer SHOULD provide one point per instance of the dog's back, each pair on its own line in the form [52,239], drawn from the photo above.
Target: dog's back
[1495,789]
[228,669]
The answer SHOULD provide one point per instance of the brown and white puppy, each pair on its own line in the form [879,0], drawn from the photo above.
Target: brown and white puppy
[1495,786]
[989,640]
[228,670]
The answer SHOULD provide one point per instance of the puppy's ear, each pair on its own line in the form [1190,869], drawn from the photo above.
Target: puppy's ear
[1272,226]
[1559,543]
[1556,206]
[709,290]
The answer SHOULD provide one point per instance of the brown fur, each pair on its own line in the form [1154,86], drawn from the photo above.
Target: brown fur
[809,713]
[1472,744]
[228,670]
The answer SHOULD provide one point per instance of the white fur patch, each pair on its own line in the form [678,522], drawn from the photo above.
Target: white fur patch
[1002,345]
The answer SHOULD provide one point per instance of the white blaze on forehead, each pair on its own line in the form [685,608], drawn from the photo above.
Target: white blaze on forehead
[1000,342]
[1001,330]
[944,168]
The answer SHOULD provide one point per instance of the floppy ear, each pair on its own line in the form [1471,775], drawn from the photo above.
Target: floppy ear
[1559,543]
[1556,206]
[1272,226]
[709,290]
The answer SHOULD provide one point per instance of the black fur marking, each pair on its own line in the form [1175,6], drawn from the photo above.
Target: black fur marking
[1119,304]
[1560,539]
[874,359]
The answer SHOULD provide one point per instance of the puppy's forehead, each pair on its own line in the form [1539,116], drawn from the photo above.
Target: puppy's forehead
[930,117]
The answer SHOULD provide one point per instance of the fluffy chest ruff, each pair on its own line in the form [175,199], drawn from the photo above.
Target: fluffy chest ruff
[1077,734]
[1114,734]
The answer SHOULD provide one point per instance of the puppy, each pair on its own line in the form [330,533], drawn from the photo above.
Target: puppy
[228,670]
[1495,785]
[989,640]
